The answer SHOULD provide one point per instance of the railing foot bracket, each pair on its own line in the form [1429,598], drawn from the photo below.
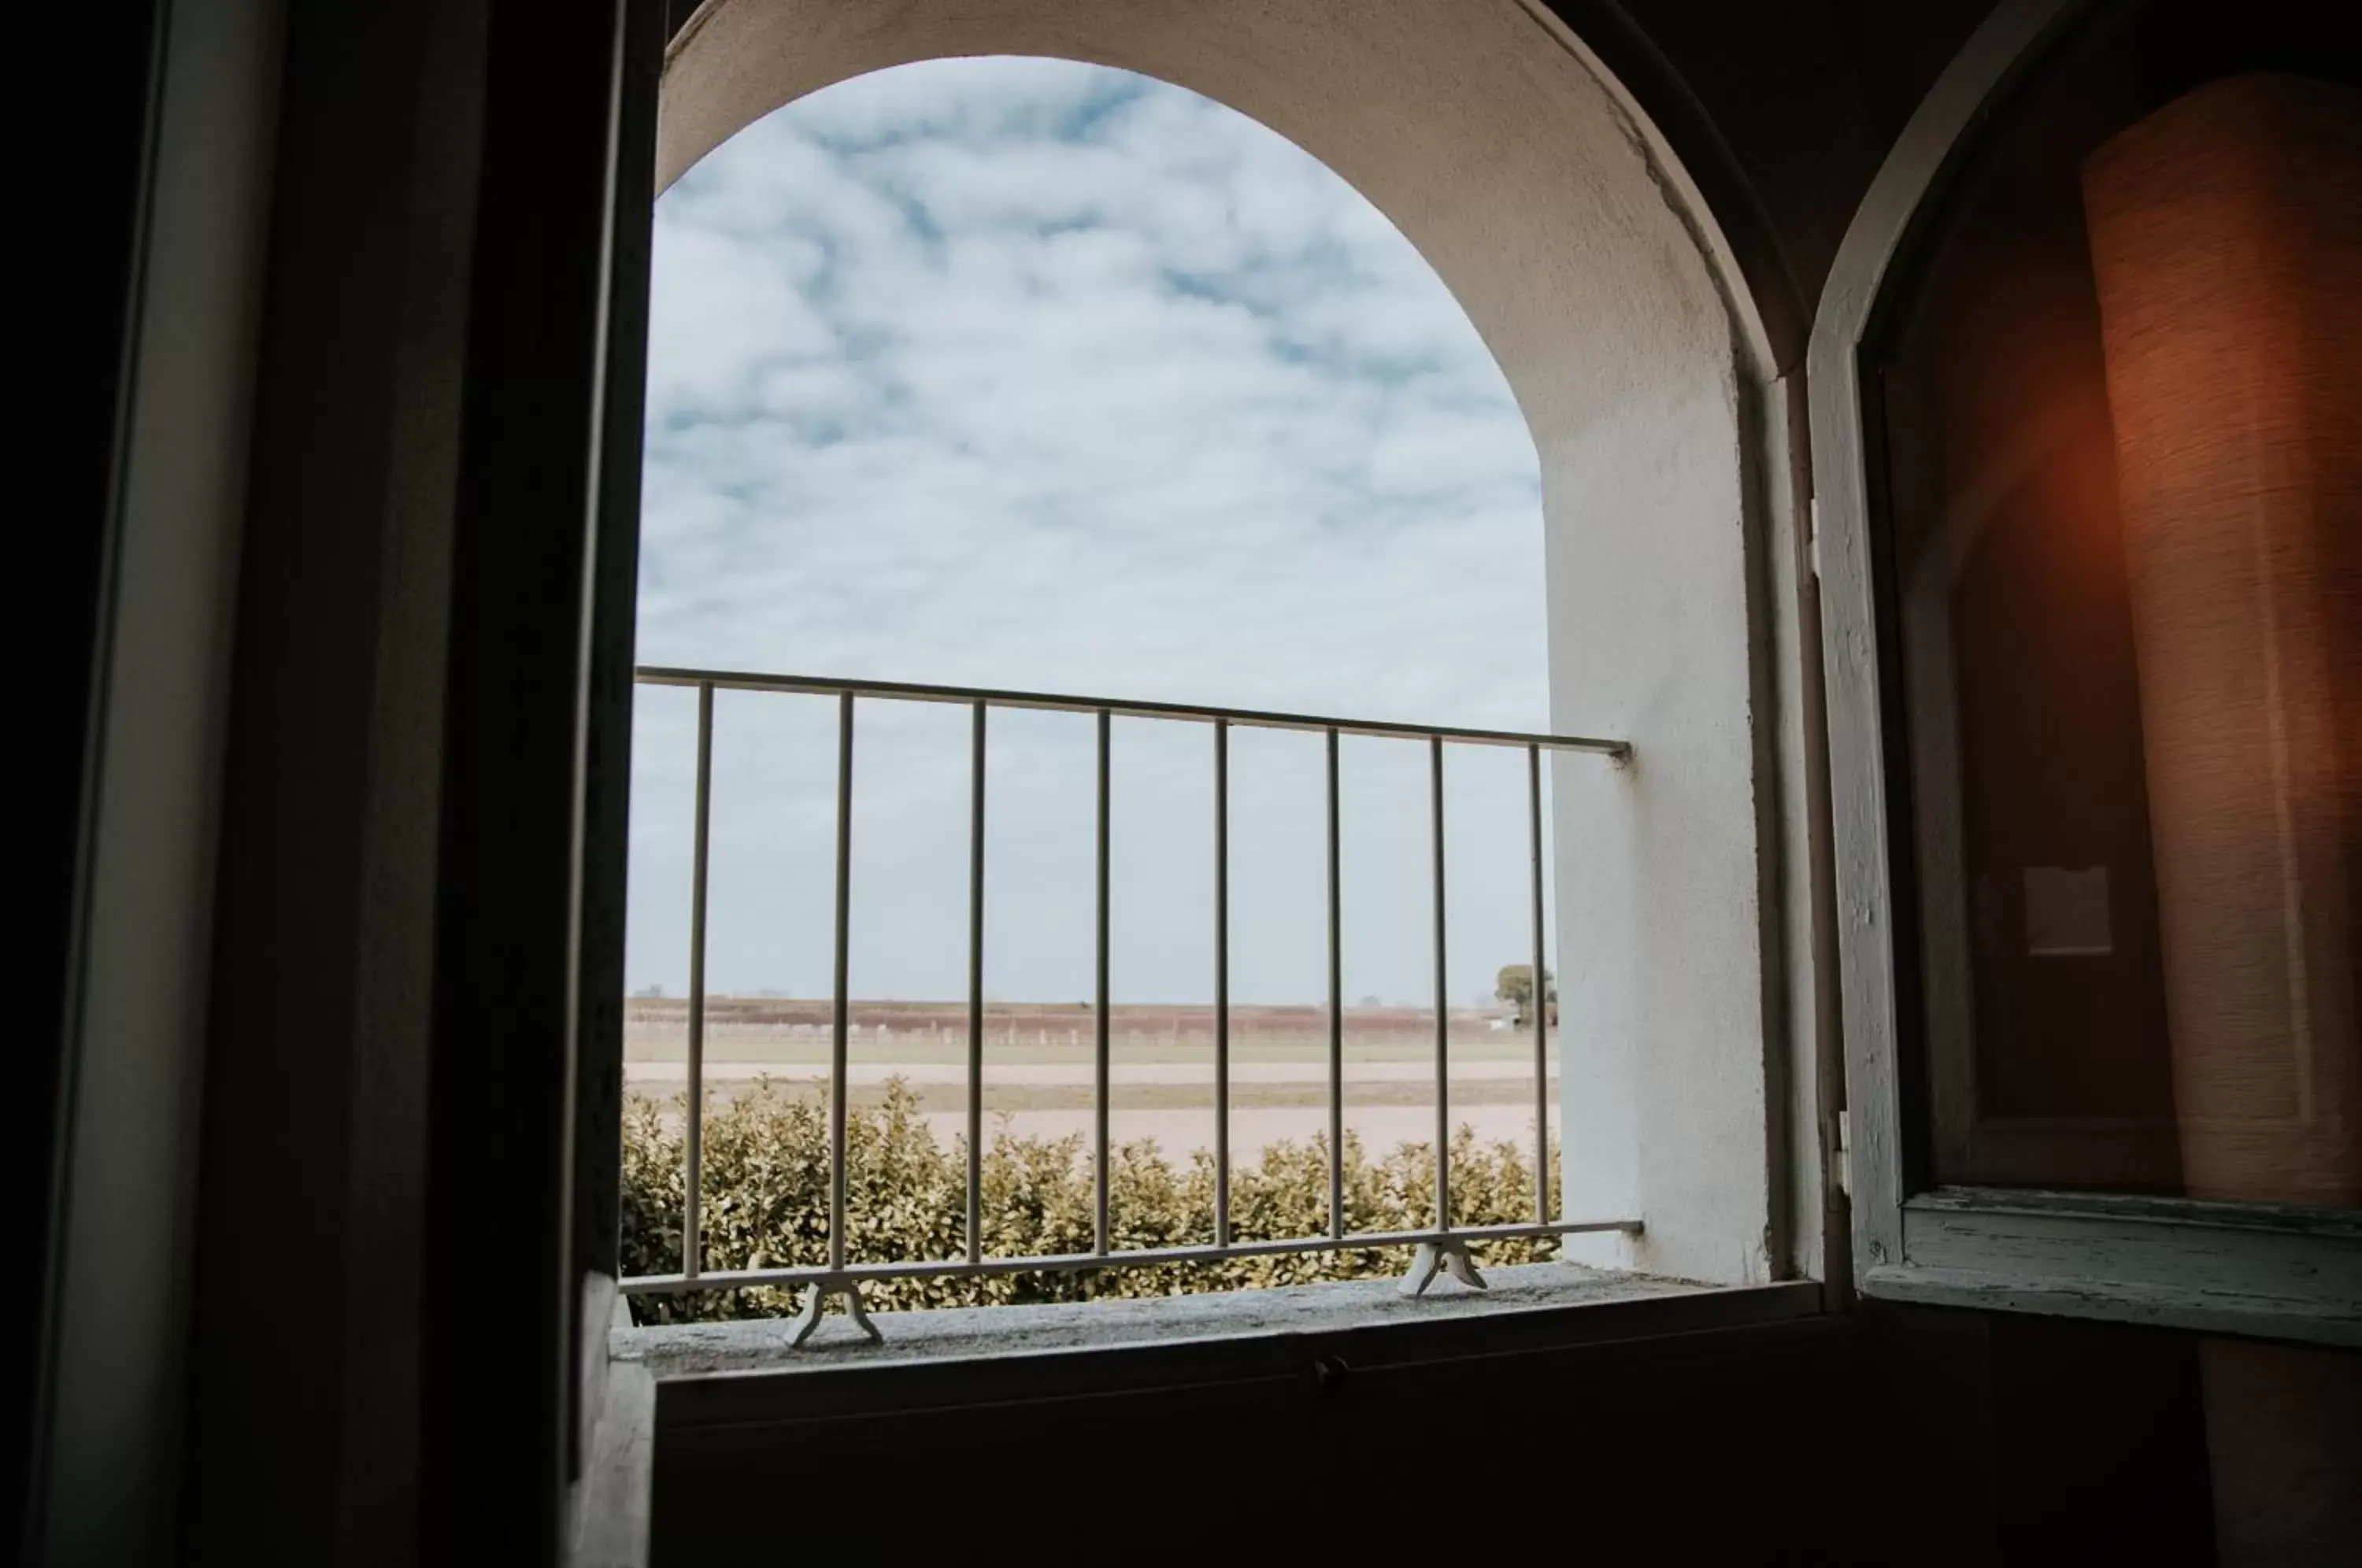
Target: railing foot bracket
[816,1303]
[1440,1257]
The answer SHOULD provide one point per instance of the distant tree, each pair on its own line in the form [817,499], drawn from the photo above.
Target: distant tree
[1514,986]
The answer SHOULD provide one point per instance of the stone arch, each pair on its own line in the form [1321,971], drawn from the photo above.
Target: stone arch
[1578,248]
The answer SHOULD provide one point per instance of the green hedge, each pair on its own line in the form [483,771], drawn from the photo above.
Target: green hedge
[766,1204]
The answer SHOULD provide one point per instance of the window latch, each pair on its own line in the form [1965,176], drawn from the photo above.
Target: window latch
[1841,1156]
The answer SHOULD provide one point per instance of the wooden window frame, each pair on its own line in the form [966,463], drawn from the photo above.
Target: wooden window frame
[2268,1271]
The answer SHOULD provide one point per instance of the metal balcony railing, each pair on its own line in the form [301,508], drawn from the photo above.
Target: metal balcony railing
[1444,1247]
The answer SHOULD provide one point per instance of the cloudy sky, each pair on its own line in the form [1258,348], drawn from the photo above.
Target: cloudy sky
[1036,375]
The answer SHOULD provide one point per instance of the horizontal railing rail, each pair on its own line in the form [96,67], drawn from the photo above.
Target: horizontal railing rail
[1440,1247]
[1248,718]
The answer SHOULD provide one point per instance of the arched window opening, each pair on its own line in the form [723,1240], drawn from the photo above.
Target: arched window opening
[1068,398]
[1036,376]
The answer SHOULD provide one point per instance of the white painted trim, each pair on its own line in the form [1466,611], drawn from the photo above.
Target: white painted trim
[1928,149]
[2262,1270]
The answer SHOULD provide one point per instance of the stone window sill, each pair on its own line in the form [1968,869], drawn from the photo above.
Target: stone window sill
[972,1333]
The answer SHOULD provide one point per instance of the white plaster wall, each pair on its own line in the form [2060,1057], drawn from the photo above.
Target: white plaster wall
[1664,1108]
[1578,251]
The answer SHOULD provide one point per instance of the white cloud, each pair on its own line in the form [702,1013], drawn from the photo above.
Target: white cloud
[1028,374]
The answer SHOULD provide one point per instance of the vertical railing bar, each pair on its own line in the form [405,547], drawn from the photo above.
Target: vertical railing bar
[1540,1000]
[692,1241]
[976,991]
[836,1050]
[1336,1010]
[1442,1004]
[1099,1077]
[1222,982]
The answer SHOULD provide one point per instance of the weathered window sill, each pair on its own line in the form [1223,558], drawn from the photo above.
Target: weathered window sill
[972,1333]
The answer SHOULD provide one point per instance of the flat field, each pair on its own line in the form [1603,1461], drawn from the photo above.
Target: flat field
[1039,1066]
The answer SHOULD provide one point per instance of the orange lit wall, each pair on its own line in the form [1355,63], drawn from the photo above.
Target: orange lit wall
[2226,241]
